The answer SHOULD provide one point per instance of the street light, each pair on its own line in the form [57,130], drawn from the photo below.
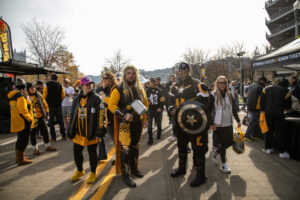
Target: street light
[297,17]
[240,54]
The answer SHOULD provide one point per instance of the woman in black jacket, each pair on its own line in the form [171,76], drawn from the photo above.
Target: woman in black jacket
[84,128]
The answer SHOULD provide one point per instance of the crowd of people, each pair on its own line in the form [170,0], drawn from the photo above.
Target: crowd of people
[121,109]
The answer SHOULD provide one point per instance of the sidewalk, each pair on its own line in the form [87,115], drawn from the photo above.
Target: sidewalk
[255,175]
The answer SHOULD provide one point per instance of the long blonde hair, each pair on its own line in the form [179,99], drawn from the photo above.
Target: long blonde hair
[138,85]
[217,90]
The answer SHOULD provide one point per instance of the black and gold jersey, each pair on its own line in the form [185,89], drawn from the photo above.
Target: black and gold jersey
[81,125]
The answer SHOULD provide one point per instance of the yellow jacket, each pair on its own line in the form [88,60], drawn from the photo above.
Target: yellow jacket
[37,106]
[19,111]
[114,101]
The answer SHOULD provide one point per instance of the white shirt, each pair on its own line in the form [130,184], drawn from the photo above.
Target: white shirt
[67,101]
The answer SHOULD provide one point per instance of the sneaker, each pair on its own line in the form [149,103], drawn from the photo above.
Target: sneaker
[224,167]
[173,138]
[77,175]
[36,152]
[284,155]
[50,148]
[92,178]
[269,151]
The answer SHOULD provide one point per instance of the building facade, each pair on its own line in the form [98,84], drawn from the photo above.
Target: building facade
[20,56]
[282,22]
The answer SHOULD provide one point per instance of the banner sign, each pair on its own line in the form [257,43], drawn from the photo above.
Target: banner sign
[5,38]
[280,59]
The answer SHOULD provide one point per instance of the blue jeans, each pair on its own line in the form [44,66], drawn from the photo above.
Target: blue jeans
[153,114]
[253,127]
[57,112]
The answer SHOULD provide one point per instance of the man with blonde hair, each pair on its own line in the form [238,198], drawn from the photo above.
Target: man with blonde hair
[130,123]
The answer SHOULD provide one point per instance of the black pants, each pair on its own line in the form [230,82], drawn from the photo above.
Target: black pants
[225,140]
[78,157]
[276,124]
[43,130]
[23,138]
[153,114]
[199,146]
[57,112]
[129,155]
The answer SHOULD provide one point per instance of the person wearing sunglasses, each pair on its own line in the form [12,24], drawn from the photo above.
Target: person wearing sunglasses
[108,83]
[223,113]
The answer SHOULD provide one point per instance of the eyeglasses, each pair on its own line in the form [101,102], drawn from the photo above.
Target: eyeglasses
[224,83]
[105,78]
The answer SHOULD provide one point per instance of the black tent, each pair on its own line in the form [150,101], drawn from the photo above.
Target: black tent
[21,68]
[282,59]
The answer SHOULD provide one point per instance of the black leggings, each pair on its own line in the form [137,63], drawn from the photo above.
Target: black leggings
[225,139]
[43,130]
[23,138]
[78,157]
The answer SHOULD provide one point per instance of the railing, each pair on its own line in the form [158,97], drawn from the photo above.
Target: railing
[282,27]
[269,2]
[280,12]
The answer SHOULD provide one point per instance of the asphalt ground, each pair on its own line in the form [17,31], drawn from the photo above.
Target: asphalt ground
[255,174]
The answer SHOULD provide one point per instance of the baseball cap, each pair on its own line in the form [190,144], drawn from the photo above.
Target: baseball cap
[184,65]
[85,80]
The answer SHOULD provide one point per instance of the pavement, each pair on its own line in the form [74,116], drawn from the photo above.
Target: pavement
[255,174]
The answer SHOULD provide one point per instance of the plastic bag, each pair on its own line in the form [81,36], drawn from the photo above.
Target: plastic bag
[238,141]
[263,123]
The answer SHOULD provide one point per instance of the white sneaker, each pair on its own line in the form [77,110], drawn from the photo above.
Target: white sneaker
[284,155]
[269,151]
[173,138]
[224,167]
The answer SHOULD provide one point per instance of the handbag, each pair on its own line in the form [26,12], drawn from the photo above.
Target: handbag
[238,141]
[263,123]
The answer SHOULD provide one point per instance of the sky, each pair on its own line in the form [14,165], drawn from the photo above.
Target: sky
[153,34]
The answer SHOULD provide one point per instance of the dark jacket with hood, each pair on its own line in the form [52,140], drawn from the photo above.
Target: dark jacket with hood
[253,101]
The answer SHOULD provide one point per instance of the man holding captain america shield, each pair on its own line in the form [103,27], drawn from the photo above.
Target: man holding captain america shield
[189,103]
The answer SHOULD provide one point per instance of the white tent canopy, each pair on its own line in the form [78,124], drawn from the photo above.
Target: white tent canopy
[283,58]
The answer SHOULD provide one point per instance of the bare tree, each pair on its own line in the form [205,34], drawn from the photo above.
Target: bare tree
[196,58]
[43,40]
[117,62]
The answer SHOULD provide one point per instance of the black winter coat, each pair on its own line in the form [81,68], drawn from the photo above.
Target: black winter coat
[93,108]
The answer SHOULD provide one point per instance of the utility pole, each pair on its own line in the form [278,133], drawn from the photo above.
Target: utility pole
[240,54]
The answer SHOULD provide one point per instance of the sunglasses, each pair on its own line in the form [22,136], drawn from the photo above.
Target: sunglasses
[105,78]
[224,83]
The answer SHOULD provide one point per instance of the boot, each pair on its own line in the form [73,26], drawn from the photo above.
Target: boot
[20,159]
[181,170]
[150,141]
[200,177]
[137,173]
[36,152]
[125,169]
[50,148]
[128,181]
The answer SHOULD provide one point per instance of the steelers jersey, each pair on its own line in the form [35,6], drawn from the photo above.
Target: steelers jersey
[81,125]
